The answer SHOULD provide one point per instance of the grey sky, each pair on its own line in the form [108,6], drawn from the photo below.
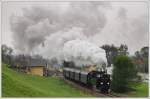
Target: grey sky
[117,23]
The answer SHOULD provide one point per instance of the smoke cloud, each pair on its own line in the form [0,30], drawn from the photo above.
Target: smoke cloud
[38,22]
[125,29]
[75,31]
[83,53]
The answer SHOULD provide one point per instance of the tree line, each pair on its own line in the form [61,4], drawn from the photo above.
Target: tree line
[20,60]
[140,58]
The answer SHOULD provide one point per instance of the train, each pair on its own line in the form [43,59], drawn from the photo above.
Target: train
[93,79]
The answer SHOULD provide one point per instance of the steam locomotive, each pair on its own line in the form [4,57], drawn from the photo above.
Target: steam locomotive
[98,79]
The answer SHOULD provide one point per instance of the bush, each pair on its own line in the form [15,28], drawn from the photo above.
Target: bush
[123,72]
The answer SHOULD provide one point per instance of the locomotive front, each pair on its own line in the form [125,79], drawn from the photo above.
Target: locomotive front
[101,80]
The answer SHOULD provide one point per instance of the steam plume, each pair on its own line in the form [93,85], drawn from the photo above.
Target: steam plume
[83,53]
[37,22]
[49,30]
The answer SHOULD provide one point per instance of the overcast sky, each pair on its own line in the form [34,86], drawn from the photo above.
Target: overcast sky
[27,26]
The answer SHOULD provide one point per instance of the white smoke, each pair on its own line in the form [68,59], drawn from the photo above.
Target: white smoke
[123,28]
[46,30]
[83,53]
[56,41]
[38,22]
[50,29]
[73,46]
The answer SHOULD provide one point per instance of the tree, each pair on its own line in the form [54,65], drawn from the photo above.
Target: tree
[123,49]
[107,50]
[141,60]
[6,54]
[144,54]
[123,72]
[144,51]
[114,52]
[137,54]
[111,52]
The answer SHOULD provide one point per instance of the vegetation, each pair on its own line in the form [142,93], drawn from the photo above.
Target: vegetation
[140,59]
[22,85]
[20,60]
[113,51]
[6,54]
[123,73]
[139,89]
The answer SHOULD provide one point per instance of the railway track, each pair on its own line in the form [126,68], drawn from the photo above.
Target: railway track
[90,91]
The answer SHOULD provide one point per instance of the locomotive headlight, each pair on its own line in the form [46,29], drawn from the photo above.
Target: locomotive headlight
[108,83]
[101,83]
[98,76]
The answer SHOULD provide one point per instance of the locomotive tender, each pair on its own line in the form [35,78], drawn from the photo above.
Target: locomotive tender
[99,79]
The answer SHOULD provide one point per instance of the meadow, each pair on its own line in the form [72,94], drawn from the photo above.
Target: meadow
[15,84]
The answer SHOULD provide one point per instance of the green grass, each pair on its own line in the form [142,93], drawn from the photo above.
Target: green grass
[16,84]
[140,89]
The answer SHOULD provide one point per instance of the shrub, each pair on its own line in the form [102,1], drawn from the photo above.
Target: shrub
[123,72]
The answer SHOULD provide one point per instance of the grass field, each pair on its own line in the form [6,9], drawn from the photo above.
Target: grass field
[139,89]
[16,84]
